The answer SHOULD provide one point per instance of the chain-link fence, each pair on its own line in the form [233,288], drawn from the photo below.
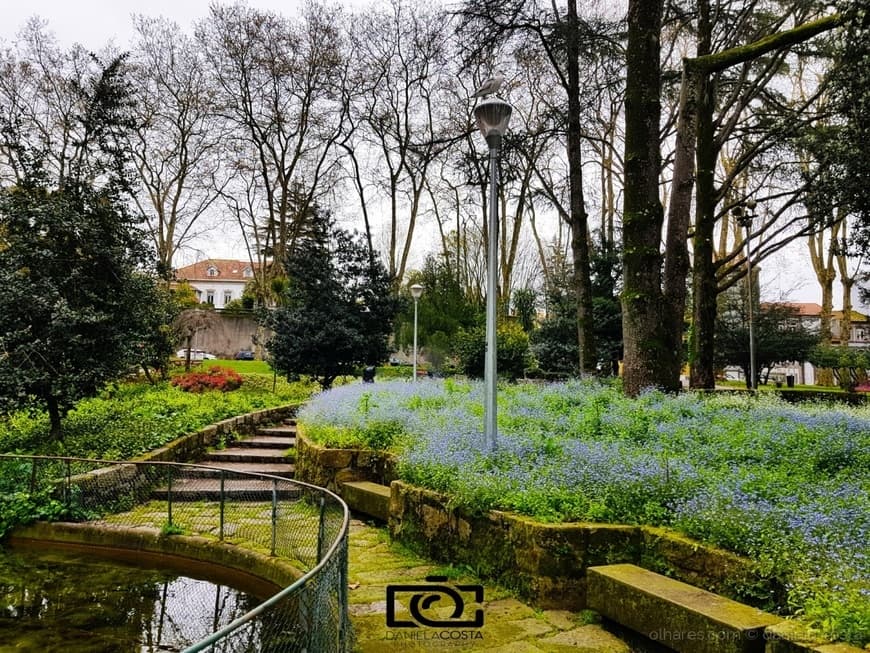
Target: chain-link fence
[298,523]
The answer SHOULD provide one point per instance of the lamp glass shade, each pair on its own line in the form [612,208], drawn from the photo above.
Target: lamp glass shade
[492,116]
[416,291]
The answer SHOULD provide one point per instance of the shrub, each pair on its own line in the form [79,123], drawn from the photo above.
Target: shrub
[512,353]
[214,378]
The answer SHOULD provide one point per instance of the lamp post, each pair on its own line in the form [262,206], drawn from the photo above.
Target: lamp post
[416,292]
[492,116]
[745,218]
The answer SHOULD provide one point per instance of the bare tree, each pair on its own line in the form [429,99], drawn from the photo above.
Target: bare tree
[176,146]
[278,87]
[401,54]
[563,35]
[43,94]
[697,139]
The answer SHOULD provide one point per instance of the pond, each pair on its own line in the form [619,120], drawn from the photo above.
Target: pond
[72,601]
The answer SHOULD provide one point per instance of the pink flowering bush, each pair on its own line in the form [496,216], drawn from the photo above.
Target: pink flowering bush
[214,378]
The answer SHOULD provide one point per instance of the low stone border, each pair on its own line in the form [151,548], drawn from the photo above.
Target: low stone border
[192,552]
[187,448]
[330,468]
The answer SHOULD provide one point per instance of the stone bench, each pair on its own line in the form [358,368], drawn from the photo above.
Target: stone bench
[675,614]
[371,499]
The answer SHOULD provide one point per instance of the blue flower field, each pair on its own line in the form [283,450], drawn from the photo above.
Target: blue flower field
[787,486]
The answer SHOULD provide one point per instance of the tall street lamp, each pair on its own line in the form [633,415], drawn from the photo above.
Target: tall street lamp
[416,292]
[745,218]
[492,116]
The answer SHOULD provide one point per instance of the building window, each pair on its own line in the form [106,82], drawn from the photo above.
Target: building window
[212,271]
[248,272]
[209,297]
[228,297]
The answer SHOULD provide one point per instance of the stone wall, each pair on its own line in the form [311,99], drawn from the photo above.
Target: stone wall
[329,468]
[546,563]
[230,334]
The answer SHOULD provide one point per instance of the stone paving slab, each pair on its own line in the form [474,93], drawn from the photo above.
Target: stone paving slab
[509,625]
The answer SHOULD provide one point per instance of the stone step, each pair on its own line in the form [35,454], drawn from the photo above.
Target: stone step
[675,614]
[286,431]
[286,470]
[209,489]
[247,455]
[368,498]
[265,442]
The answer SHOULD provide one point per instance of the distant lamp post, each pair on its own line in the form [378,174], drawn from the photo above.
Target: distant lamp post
[416,293]
[746,218]
[492,116]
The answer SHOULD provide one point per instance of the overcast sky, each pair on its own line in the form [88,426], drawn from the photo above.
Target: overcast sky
[93,23]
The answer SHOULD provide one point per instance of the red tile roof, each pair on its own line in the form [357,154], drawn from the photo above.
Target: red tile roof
[854,315]
[804,309]
[811,309]
[228,269]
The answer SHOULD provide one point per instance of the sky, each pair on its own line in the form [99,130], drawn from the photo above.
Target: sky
[93,23]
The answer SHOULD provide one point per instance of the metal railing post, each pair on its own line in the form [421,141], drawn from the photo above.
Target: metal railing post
[274,513]
[169,496]
[222,506]
[320,530]
[68,486]
[33,463]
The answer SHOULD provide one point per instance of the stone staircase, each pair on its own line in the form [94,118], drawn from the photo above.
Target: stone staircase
[265,452]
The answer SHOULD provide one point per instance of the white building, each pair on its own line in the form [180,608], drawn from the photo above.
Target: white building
[217,281]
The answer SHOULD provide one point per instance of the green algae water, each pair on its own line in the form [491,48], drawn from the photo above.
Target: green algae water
[54,600]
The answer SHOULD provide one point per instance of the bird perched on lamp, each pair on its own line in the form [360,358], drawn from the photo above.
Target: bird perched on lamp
[490,86]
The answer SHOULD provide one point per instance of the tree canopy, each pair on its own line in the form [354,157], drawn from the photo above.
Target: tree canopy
[74,297]
[337,310]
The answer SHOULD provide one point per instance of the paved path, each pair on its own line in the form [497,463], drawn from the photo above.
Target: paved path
[510,626]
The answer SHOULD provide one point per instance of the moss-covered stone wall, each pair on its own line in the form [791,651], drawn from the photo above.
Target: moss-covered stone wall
[546,563]
[329,468]
[193,551]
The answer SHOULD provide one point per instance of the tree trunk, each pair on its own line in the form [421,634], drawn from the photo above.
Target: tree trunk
[578,219]
[649,358]
[846,322]
[704,283]
[821,258]
[55,431]
[846,280]
[676,268]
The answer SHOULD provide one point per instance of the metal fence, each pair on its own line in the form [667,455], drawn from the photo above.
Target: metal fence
[293,521]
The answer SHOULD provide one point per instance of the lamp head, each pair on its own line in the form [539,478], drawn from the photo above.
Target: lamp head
[416,291]
[492,116]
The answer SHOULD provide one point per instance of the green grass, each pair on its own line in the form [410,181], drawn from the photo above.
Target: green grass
[129,419]
[771,385]
[242,367]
